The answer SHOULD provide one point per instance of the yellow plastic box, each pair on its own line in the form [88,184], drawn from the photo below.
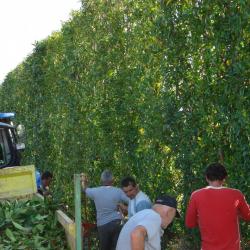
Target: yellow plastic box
[17,182]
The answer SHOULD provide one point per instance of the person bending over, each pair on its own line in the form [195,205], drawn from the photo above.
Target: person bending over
[143,231]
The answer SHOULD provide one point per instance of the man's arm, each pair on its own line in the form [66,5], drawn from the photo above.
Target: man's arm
[244,209]
[191,214]
[85,186]
[137,237]
[84,181]
[124,198]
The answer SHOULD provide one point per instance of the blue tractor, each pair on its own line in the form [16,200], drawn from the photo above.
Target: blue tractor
[9,146]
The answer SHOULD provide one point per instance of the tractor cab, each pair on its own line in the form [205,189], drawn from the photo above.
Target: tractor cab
[9,146]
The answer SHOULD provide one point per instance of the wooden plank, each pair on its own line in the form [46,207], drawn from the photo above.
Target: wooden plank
[69,227]
[64,220]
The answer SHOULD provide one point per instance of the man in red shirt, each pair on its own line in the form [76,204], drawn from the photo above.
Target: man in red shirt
[216,211]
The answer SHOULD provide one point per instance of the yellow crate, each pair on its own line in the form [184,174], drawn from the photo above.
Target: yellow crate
[17,182]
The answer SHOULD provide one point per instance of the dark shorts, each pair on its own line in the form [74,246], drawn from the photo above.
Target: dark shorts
[108,234]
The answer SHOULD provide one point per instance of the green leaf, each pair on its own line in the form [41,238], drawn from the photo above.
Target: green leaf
[41,217]
[7,215]
[10,235]
[20,227]
[40,227]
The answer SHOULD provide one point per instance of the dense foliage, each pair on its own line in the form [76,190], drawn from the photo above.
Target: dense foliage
[29,225]
[157,89]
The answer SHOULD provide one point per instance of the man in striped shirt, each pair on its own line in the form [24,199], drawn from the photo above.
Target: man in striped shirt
[138,199]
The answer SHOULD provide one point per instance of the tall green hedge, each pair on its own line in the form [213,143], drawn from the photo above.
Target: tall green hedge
[157,89]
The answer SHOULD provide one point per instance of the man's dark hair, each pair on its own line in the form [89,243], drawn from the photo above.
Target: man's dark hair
[126,181]
[216,172]
[47,175]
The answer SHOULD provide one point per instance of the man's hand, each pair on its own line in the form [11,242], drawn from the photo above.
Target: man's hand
[46,191]
[122,208]
[84,181]
[137,237]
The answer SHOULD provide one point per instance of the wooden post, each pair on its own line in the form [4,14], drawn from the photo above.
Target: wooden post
[78,220]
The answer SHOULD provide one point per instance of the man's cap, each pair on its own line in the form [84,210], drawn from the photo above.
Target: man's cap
[168,201]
